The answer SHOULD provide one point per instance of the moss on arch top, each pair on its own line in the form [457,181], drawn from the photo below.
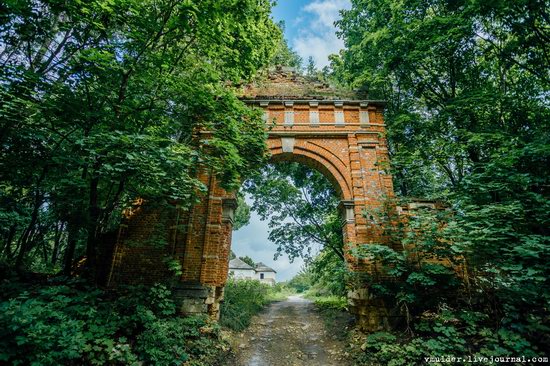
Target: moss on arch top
[285,83]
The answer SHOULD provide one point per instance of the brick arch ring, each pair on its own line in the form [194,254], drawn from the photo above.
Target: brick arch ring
[325,163]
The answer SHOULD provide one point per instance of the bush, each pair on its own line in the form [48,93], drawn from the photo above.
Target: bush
[450,303]
[73,323]
[279,292]
[330,302]
[178,340]
[301,282]
[453,333]
[245,298]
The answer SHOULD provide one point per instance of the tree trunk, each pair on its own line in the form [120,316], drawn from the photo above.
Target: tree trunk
[57,241]
[93,220]
[72,239]
[9,238]
[24,248]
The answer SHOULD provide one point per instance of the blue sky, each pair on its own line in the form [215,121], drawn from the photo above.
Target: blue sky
[252,240]
[310,26]
[310,31]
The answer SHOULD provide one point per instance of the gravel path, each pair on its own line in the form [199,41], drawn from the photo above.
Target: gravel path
[289,333]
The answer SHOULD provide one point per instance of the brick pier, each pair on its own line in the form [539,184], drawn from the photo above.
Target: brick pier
[341,137]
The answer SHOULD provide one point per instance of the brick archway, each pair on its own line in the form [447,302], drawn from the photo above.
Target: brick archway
[316,157]
[344,139]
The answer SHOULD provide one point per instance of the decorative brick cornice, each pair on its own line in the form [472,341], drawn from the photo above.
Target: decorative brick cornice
[315,102]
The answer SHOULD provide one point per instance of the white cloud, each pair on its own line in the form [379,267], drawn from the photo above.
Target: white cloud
[317,35]
[318,47]
[326,12]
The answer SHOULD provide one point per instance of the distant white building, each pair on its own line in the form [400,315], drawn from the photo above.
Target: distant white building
[240,270]
[265,274]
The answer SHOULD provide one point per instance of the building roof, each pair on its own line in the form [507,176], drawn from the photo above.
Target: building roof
[239,264]
[260,267]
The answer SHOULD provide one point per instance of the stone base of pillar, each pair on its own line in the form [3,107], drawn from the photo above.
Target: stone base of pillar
[371,313]
[195,298]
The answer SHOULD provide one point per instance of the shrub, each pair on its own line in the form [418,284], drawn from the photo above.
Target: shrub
[331,302]
[177,340]
[72,323]
[243,299]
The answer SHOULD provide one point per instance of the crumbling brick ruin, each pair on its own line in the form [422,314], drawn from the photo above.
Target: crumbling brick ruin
[310,123]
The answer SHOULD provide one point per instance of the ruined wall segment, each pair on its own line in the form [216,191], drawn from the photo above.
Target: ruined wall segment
[340,135]
[337,133]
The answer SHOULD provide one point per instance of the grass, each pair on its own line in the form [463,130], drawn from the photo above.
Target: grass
[245,298]
[329,302]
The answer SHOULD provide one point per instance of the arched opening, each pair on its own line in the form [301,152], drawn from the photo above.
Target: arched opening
[303,228]
[322,160]
[299,173]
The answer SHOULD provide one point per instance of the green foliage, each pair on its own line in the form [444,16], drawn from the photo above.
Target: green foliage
[301,282]
[468,123]
[73,323]
[455,300]
[242,300]
[329,275]
[245,298]
[331,302]
[194,340]
[106,102]
[242,213]
[301,205]
[284,55]
[280,292]
[325,276]
[460,78]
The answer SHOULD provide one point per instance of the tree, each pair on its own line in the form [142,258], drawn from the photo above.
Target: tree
[104,102]
[468,123]
[284,55]
[242,213]
[311,70]
[301,206]
[301,282]
[248,260]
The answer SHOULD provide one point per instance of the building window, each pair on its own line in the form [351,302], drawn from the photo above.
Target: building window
[261,276]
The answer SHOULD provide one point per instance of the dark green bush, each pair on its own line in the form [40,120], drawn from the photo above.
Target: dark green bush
[177,340]
[74,324]
[451,305]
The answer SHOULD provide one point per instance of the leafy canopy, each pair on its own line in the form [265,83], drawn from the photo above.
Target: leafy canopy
[106,101]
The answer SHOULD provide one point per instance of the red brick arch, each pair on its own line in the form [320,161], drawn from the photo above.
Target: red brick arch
[342,139]
[323,161]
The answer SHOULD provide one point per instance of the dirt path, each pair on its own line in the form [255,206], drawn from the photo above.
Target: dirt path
[289,333]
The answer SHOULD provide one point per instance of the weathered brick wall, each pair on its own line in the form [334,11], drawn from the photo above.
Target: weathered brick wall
[343,139]
[144,240]
[350,150]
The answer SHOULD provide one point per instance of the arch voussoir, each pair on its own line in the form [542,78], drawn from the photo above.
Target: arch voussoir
[330,167]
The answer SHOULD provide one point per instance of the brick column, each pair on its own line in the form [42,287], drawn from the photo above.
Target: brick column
[207,252]
[371,186]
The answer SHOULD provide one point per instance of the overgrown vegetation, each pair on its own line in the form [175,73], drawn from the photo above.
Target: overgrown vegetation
[468,124]
[67,322]
[102,102]
[245,298]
